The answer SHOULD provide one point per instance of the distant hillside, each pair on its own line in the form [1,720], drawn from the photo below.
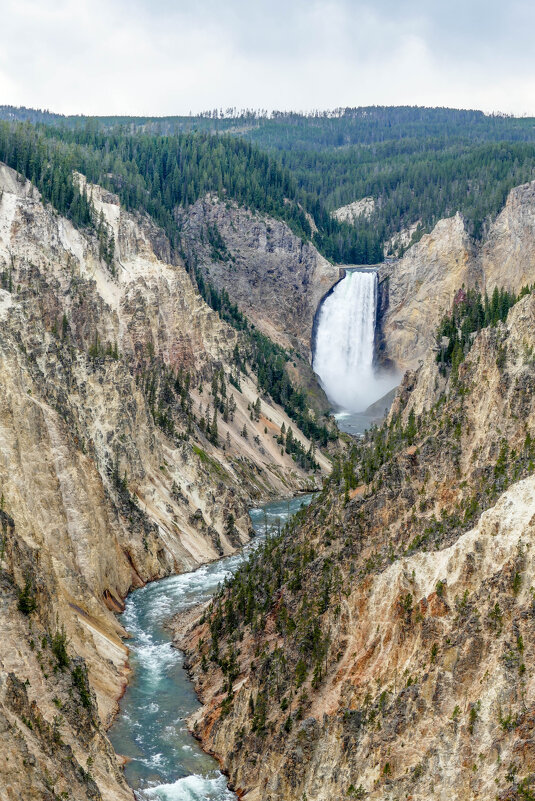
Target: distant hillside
[291,130]
[418,164]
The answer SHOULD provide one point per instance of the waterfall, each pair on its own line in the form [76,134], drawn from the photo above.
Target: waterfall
[344,343]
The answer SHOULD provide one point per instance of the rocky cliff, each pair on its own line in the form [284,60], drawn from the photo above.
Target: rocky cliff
[115,469]
[275,278]
[507,255]
[383,647]
[421,285]
[352,211]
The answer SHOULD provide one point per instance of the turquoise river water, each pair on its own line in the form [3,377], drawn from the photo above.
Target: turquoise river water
[165,762]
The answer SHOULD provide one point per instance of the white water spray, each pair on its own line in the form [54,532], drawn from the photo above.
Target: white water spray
[344,347]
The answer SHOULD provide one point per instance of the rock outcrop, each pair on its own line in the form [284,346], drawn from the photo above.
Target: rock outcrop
[507,255]
[352,211]
[273,276]
[107,356]
[400,241]
[421,285]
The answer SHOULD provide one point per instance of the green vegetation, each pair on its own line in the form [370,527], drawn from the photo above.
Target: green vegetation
[247,599]
[155,175]
[59,648]
[268,362]
[419,164]
[418,181]
[390,154]
[169,398]
[296,580]
[210,463]
[291,444]
[81,682]
[471,312]
[27,602]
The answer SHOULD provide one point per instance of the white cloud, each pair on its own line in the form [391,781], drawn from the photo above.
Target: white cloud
[173,56]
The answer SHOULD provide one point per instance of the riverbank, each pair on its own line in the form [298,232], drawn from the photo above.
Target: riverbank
[163,760]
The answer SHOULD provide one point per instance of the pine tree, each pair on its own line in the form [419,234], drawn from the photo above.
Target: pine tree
[456,358]
[214,436]
[257,409]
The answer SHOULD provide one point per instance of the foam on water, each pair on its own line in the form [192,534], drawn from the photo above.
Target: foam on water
[192,788]
[345,344]
[165,762]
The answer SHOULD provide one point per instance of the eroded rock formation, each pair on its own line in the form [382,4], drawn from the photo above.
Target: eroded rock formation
[275,278]
[421,285]
[107,358]
[389,650]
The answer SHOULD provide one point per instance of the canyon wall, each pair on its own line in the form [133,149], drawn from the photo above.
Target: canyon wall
[275,278]
[109,360]
[384,647]
[422,284]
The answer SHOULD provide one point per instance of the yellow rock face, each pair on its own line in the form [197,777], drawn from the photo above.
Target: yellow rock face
[95,498]
[421,286]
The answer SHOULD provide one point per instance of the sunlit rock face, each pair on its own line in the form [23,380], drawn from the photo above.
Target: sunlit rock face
[507,256]
[421,286]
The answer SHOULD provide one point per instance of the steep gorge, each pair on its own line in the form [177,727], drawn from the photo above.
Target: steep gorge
[110,360]
[360,661]
[383,647]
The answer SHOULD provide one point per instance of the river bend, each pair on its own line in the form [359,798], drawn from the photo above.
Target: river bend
[165,763]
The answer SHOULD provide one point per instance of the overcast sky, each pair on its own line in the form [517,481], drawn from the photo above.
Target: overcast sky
[176,56]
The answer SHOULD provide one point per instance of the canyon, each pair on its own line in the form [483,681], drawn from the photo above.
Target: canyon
[379,647]
[382,647]
[107,482]
[279,281]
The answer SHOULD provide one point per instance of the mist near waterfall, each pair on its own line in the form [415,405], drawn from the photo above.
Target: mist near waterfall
[344,346]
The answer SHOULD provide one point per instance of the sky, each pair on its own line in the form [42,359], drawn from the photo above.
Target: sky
[163,57]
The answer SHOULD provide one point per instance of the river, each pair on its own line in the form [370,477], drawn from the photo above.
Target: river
[165,762]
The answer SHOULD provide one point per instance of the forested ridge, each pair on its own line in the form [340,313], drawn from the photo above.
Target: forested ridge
[412,487]
[317,129]
[419,165]
[154,175]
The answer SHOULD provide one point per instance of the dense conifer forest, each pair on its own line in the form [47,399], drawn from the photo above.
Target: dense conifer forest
[155,174]
[419,164]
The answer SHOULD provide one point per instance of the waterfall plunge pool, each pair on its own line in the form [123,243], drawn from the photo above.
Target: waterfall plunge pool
[165,762]
[344,352]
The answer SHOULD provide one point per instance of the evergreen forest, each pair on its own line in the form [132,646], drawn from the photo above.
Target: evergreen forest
[418,164]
